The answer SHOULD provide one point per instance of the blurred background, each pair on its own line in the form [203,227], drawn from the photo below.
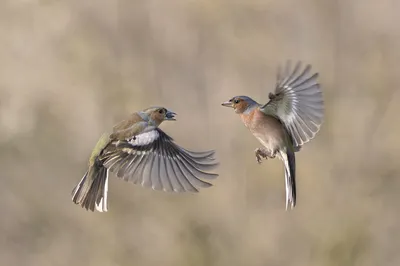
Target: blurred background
[72,69]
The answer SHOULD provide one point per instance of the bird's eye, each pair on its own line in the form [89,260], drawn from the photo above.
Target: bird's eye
[236,101]
[161,111]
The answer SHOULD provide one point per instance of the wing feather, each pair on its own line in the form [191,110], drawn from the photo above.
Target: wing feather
[297,102]
[152,159]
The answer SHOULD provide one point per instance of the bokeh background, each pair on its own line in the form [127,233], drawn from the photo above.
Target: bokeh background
[69,70]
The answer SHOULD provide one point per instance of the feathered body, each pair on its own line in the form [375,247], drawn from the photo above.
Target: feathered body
[290,119]
[139,152]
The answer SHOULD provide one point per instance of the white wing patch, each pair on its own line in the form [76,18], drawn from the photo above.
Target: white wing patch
[103,204]
[144,138]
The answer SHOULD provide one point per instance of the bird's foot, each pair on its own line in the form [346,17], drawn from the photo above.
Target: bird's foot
[262,153]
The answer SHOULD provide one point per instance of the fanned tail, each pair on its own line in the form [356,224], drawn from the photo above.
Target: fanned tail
[91,191]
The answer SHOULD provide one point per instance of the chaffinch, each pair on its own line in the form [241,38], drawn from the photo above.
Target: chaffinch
[291,118]
[140,152]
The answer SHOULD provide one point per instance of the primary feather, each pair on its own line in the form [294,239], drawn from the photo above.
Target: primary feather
[297,102]
[154,160]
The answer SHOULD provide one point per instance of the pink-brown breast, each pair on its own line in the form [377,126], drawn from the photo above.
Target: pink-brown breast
[267,129]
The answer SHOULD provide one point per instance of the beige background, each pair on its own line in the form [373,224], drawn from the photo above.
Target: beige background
[71,69]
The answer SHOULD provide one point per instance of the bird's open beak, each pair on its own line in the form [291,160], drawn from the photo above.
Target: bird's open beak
[170,116]
[227,104]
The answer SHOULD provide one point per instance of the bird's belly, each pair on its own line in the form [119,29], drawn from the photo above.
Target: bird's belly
[267,129]
[269,142]
[272,138]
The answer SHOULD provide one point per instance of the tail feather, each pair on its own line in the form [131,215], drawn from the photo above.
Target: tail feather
[91,191]
[290,178]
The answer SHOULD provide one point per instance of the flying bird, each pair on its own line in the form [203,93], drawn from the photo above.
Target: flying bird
[138,151]
[292,117]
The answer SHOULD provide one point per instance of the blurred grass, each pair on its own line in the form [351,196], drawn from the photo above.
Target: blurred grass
[71,69]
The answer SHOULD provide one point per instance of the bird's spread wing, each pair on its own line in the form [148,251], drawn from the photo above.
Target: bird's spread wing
[297,102]
[152,159]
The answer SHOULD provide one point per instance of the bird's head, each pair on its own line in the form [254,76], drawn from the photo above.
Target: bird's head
[159,114]
[241,104]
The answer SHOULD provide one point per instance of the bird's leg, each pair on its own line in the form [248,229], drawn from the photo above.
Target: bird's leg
[264,153]
[272,154]
[261,153]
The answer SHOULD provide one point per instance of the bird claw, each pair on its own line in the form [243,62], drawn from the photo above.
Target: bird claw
[259,160]
[263,153]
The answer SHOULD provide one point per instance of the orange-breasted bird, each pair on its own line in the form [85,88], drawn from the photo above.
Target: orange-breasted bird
[138,151]
[291,118]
